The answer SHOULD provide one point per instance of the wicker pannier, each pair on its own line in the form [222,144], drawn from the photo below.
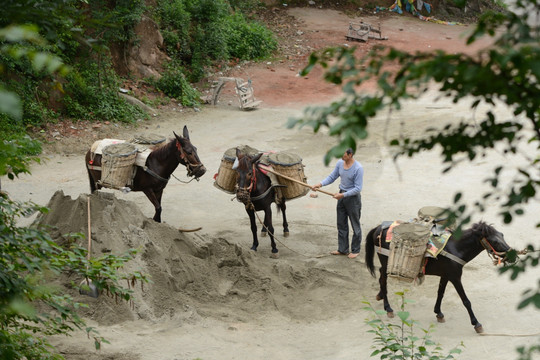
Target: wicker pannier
[148,139]
[291,166]
[226,176]
[407,250]
[117,165]
[434,215]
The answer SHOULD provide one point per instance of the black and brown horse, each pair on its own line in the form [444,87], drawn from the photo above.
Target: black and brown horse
[255,191]
[160,164]
[472,242]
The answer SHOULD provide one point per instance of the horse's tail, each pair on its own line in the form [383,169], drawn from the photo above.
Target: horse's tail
[280,204]
[370,251]
[90,177]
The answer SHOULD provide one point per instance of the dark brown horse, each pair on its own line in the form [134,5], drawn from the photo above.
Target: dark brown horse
[160,164]
[472,242]
[256,192]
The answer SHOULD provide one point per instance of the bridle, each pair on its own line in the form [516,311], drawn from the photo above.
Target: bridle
[191,168]
[496,256]
[244,194]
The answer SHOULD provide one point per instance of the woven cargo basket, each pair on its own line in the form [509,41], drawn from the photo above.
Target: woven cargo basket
[226,176]
[148,139]
[291,166]
[407,250]
[117,165]
[434,215]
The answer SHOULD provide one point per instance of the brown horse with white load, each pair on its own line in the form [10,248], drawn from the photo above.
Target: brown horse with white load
[152,177]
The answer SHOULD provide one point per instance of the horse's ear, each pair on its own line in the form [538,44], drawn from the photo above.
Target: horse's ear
[179,139]
[257,157]
[186,132]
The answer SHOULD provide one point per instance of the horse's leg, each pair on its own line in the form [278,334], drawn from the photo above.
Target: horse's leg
[157,215]
[283,207]
[440,294]
[466,302]
[383,292]
[268,225]
[155,199]
[251,214]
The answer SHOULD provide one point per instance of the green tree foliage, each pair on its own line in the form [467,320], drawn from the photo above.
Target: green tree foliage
[70,32]
[113,21]
[21,46]
[31,308]
[507,72]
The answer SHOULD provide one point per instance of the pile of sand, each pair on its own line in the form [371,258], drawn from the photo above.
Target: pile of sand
[191,276]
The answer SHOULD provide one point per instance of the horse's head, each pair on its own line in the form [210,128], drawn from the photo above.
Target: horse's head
[187,154]
[492,240]
[246,178]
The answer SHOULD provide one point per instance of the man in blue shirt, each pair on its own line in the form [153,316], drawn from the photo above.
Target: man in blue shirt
[349,205]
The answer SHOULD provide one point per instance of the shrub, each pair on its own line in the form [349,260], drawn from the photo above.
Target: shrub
[174,84]
[92,93]
[399,341]
[249,40]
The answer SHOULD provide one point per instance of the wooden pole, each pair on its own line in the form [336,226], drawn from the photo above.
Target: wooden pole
[291,179]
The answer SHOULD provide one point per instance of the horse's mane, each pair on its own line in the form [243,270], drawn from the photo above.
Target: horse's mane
[162,150]
[482,228]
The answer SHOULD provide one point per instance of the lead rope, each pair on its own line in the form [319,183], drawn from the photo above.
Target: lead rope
[182,181]
[188,164]
[250,206]
[275,238]
[510,335]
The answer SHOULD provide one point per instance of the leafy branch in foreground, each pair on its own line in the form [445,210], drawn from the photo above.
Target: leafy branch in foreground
[507,72]
[11,38]
[31,307]
[400,341]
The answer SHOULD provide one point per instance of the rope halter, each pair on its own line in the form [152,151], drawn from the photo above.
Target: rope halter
[192,169]
[243,194]
[495,255]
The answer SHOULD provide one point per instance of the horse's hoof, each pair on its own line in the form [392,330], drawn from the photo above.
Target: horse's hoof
[479,329]
[441,319]
[254,248]
[263,233]
[286,234]
[274,256]
[379,298]
[390,314]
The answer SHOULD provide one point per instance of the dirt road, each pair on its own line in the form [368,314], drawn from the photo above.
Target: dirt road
[306,304]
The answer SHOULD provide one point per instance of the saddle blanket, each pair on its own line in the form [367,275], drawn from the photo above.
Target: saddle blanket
[435,244]
[142,151]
